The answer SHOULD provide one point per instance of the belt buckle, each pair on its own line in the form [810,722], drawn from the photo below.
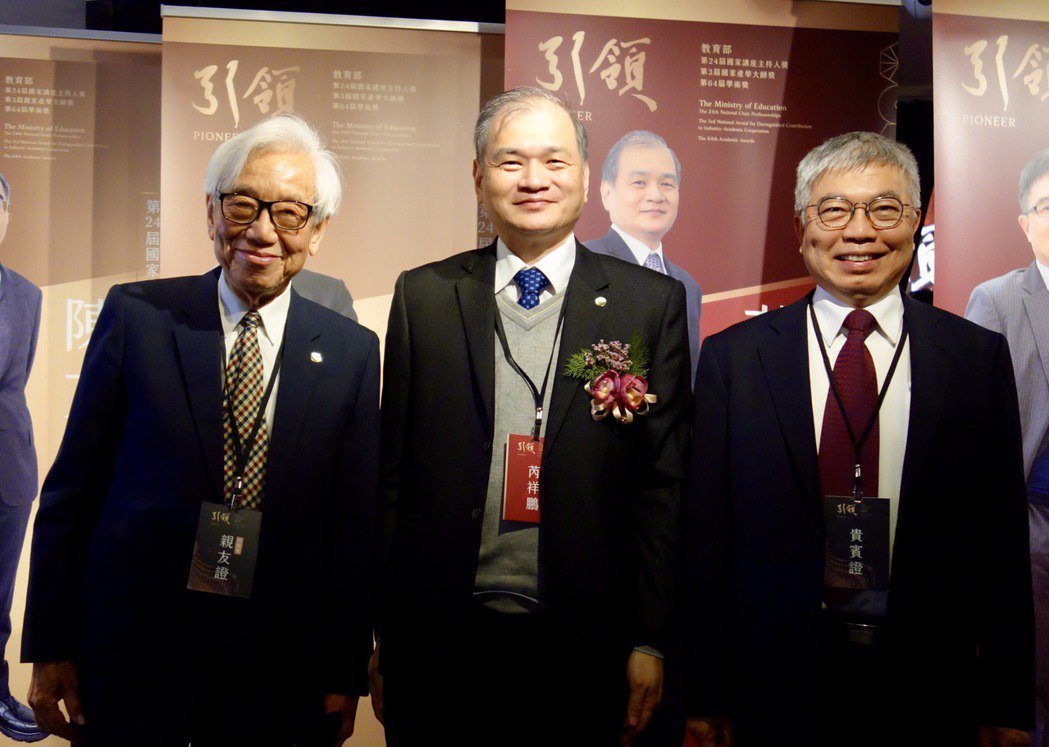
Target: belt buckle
[862,634]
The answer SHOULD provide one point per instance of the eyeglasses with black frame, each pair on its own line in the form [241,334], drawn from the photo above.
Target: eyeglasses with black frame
[882,212]
[286,215]
[1041,209]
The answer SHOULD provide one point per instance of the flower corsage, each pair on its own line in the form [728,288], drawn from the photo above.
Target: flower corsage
[614,373]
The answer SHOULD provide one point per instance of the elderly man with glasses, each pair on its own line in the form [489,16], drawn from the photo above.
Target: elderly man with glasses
[201,558]
[857,570]
[1017,305]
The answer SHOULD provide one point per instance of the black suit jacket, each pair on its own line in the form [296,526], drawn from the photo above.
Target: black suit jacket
[143,449]
[609,537]
[613,245]
[960,610]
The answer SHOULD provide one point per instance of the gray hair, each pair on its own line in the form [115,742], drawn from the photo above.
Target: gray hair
[7,189]
[854,151]
[517,101]
[1035,169]
[634,139]
[280,133]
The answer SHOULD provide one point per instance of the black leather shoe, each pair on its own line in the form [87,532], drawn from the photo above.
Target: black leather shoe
[16,721]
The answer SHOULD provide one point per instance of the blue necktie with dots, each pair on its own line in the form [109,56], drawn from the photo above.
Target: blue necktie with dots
[531,282]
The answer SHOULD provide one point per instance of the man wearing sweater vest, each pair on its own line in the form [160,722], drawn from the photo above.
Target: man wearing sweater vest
[535,439]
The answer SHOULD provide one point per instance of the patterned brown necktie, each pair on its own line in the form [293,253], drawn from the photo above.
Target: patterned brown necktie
[242,396]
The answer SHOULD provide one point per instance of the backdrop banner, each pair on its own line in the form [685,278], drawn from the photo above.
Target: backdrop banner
[738,103]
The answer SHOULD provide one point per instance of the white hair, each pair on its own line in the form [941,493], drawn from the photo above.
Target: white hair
[279,133]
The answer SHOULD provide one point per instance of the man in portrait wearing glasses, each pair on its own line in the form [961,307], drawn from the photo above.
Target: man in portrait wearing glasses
[850,433]
[20,302]
[201,557]
[1017,305]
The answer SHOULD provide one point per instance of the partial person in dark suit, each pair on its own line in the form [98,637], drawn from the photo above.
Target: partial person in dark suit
[1017,305]
[641,190]
[848,589]
[170,427]
[19,329]
[329,292]
[530,621]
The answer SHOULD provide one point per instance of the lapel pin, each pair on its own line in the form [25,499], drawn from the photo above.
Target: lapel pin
[600,300]
[316,357]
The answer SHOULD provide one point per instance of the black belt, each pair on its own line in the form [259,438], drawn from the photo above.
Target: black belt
[845,631]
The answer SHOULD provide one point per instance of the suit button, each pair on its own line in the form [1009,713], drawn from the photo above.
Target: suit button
[487,447]
[476,513]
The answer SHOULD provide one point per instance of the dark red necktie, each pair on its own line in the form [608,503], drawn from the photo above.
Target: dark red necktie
[857,384]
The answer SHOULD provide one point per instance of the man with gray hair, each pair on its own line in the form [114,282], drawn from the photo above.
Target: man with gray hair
[641,190]
[201,557]
[856,564]
[532,517]
[1017,305]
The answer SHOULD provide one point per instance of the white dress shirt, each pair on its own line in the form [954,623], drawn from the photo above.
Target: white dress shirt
[270,334]
[1043,271]
[556,264]
[894,416]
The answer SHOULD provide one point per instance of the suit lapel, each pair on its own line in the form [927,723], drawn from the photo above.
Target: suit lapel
[198,338]
[1036,304]
[298,375]
[619,249]
[785,364]
[476,294]
[583,319]
[931,359]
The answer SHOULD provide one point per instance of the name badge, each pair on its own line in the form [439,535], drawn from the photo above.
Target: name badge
[225,550]
[857,550]
[524,458]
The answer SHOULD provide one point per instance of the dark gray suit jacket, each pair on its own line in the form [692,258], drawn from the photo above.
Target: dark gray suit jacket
[609,539]
[613,245]
[329,292]
[19,328]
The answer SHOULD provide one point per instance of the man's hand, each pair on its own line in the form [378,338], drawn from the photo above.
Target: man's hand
[711,732]
[51,682]
[1000,736]
[375,684]
[644,673]
[346,707]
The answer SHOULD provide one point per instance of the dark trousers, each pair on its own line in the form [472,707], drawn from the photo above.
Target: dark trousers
[509,680]
[215,685]
[13,523]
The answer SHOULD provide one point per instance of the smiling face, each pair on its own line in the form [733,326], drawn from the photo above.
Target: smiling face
[858,264]
[1034,226]
[257,259]
[644,199]
[533,182]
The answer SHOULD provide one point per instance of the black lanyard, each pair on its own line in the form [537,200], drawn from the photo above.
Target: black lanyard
[537,394]
[857,444]
[240,454]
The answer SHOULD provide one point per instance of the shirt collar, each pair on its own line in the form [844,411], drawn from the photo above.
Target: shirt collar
[274,314]
[1044,272]
[637,247]
[887,312]
[556,264]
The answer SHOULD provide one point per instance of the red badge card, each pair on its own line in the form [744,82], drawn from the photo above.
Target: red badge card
[524,457]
